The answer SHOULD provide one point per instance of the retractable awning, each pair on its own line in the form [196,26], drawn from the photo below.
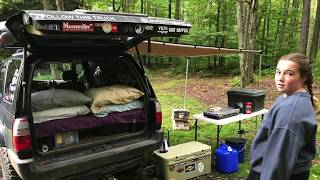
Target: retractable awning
[155,48]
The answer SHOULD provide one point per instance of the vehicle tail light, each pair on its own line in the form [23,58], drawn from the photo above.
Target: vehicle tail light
[21,135]
[114,28]
[158,113]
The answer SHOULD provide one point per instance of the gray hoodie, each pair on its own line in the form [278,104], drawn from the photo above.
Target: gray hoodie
[286,142]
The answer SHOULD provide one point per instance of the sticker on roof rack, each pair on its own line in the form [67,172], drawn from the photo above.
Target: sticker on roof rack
[77,27]
[139,29]
[48,27]
[73,17]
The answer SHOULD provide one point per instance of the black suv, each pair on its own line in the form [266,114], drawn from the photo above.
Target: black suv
[73,103]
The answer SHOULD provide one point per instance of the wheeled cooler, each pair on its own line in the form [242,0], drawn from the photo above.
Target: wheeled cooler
[184,161]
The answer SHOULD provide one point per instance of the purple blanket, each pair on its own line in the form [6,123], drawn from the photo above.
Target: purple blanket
[87,122]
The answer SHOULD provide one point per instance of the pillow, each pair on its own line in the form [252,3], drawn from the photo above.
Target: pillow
[105,110]
[115,94]
[49,99]
[59,113]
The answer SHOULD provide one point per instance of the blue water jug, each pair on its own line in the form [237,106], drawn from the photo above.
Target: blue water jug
[226,159]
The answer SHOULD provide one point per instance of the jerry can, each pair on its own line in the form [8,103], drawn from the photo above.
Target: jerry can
[226,159]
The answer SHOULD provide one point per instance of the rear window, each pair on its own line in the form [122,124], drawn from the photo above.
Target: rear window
[86,73]
[11,79]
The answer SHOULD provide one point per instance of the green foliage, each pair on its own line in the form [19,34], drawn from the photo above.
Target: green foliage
[236,81]
[43,77]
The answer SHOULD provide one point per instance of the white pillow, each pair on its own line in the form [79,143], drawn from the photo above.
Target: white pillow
[59,113]
[54,98]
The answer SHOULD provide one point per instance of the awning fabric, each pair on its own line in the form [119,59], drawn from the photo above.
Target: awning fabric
[176,50]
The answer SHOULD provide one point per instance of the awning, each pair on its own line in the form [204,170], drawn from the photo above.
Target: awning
[175,50]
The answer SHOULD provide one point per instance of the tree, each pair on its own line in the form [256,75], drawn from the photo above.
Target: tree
[247,15]
[305,26]
[315,37]
[45,4]
[125,5]
[60,5]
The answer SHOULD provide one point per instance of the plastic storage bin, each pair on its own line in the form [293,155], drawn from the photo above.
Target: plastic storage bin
[184,161]
[226,159]
[63,139]
[240,145]
[237,98]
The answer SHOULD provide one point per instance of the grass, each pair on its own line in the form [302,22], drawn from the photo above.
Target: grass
[207,132]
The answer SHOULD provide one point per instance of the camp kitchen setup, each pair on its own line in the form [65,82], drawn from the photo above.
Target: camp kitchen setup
[194,159]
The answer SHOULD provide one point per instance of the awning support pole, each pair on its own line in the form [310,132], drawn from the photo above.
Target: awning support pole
[185,84]
[260,60]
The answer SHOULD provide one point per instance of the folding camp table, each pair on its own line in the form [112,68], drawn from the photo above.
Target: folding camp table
[221,122]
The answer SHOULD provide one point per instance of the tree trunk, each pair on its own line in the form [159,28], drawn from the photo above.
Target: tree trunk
[293,24]
[59,4]
[177,17]
[265,49]
[247,12]
[45,4]
[283,27]
[133,5]
[224,29]
[315,37]
[305,26]
[125,5]
[141,6]
[114,8]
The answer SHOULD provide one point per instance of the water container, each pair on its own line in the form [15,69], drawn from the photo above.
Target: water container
[240,145]
[226,159]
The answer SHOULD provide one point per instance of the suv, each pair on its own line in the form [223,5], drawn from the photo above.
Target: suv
[73,103]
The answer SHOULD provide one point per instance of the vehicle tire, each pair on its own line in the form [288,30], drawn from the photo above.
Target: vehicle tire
[8,171]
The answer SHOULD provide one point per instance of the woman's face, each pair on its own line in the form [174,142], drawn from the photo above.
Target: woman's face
[287,78]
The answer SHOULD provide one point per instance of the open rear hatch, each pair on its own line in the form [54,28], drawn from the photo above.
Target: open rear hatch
[51,35]
[83,31]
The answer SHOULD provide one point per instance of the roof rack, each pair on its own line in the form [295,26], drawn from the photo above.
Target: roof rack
[39,30]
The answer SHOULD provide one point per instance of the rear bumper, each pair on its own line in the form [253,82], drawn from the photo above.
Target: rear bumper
[90,165]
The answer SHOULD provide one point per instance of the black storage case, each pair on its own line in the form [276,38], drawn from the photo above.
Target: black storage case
[238,97]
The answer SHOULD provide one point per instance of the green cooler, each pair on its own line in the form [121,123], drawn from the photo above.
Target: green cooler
[184,161]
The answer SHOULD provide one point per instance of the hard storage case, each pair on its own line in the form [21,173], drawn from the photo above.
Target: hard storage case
[238,97]
[184,161]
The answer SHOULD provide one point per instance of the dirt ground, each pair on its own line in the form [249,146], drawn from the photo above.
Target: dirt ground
[213,90]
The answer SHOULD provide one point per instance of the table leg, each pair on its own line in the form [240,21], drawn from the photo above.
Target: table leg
[262,115]
[196,133]
[256,125]
[219,127]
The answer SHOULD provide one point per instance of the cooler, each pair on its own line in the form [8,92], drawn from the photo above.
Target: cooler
[238,98]
[184,161]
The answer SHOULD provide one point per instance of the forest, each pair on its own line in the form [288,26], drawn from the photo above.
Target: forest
[275,27]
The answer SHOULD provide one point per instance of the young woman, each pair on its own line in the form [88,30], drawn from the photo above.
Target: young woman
[286,143]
